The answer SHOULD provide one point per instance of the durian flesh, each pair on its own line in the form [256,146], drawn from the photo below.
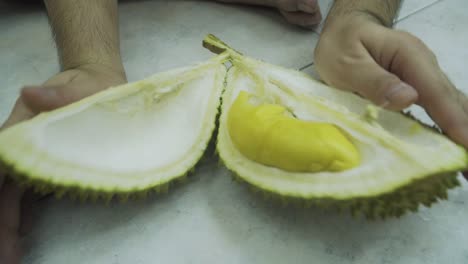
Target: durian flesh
[268,134]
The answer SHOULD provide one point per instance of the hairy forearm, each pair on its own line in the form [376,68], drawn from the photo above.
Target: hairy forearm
[86,32]
[384,11]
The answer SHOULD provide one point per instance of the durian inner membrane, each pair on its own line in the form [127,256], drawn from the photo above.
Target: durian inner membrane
[150,128]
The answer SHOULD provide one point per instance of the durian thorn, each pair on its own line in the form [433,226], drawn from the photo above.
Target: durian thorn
[123,197]
[73,195]
[107,199]
[94,196]
[23,184]
[165,188]
[82,196]
[236,178]
[192,170]
[162,189]
[182,179]
[284,202]
[308,204]
[142,195]
[59,194]
[254,190]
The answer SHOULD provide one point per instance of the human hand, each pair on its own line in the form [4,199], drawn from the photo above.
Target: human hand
[305,13]
[392,68]
[62,89]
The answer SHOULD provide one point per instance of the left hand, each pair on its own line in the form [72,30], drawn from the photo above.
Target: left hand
[62,89]
[392,68]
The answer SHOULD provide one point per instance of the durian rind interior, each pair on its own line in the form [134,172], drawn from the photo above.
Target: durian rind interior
[125,139]
[395,150]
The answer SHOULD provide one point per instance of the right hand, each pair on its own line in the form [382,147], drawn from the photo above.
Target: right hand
[62,89]
[304,13]
[392,68]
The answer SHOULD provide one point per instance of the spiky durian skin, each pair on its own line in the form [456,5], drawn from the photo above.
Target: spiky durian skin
[89,193]
[395,203]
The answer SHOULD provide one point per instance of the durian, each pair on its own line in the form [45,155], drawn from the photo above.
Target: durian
[291,138]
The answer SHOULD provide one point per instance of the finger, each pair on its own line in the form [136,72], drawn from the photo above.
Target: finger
[27,203]
[45,98]
[10,204]
[303,19]
[417,66]
[449,112]
[10,199]
[378,85]
[18,114]
[10,250]
[308,6]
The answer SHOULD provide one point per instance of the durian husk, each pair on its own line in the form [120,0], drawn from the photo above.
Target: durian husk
[98,193]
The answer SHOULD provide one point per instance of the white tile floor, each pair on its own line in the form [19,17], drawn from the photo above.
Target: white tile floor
[212,219]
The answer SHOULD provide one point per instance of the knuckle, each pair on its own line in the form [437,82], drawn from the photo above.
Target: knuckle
[419,45]
[414,41]
[320,51]
[307,5]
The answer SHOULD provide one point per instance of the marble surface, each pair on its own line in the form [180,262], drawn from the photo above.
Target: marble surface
[212,219]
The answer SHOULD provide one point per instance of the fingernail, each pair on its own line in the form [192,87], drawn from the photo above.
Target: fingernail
[400,94]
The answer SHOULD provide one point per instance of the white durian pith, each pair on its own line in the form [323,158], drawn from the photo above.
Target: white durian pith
[395,150]
[125,139]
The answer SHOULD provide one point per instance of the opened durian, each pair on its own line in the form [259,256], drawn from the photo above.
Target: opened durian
[285,134]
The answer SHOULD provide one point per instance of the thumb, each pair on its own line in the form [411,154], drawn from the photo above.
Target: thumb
[382,87]
[44,98]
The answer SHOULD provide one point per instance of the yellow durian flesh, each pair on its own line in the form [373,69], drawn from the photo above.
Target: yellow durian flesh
[269,134]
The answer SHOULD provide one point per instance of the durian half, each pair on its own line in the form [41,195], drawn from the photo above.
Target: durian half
[392,165]
[125,140]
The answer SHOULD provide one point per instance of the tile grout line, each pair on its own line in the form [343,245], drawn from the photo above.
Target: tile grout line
[306,66]
[311,63]
[416,11]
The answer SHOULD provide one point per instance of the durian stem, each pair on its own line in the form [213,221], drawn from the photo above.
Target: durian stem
[215,45]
